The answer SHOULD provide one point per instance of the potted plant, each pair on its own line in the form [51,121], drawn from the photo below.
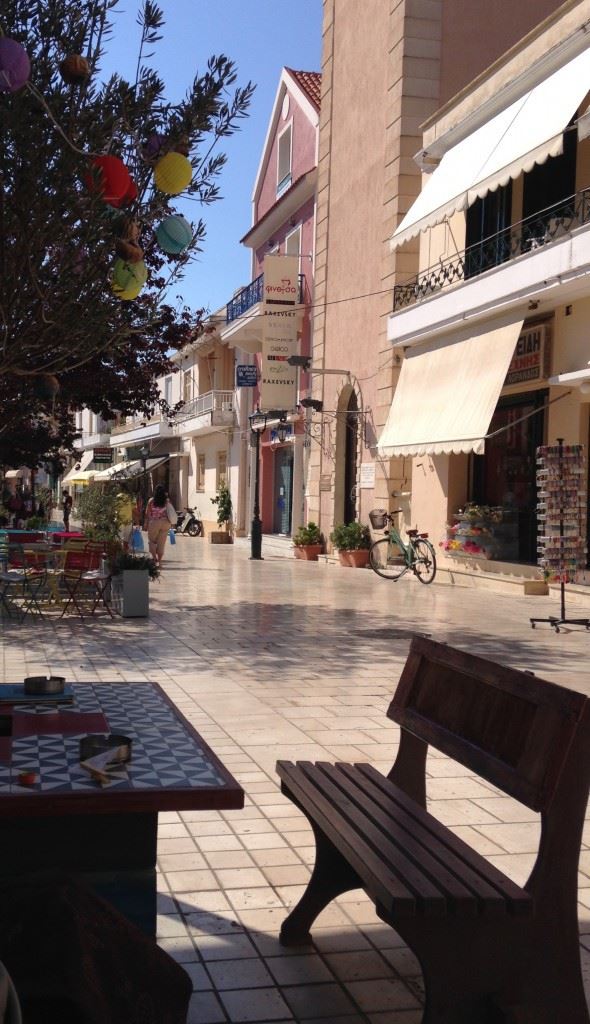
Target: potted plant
[224,514]
[308,542]
[359,542]
[130,578]
[340,539]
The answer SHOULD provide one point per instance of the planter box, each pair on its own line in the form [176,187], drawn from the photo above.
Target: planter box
[358,558]
[130,593]
[343,559]
[308,552]
[220,537]
[539,587]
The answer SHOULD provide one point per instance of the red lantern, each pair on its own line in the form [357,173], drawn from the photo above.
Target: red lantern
[129,196]
[109,177]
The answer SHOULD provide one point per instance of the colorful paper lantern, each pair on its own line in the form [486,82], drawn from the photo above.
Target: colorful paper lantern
[128,250]
[74,69]
[152,149]
[130,195]
[128,279]
[174,234]
[173,173]
[109,177]
[15,66]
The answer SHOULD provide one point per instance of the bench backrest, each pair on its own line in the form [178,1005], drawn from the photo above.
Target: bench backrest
[512,729]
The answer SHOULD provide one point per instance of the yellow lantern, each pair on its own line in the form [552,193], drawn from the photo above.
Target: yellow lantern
[128,279]
[173,173]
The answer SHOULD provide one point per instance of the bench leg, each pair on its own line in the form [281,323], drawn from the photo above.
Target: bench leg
[331,876]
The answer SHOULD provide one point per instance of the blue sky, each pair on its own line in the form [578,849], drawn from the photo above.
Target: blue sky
[262,37]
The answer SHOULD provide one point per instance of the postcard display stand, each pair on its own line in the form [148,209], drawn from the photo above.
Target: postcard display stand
[561,481]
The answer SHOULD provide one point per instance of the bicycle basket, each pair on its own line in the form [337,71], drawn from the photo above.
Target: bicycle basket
[378,518]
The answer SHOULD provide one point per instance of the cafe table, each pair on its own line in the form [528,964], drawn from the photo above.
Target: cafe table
[55,817]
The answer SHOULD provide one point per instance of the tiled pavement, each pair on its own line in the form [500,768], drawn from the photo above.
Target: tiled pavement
[289,659]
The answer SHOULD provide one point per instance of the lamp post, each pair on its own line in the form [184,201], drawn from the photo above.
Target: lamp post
[143,454]
[257,427]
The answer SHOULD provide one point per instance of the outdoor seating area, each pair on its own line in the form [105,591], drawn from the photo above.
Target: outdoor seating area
[43,577]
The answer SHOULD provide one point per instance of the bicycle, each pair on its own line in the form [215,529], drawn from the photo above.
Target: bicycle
[391,558]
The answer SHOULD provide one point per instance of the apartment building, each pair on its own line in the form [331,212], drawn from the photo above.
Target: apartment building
[383,75]
[491,332]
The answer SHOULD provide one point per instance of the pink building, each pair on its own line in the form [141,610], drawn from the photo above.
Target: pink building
[283,222]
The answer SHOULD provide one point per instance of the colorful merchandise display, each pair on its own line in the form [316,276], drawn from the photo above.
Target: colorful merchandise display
[561,514]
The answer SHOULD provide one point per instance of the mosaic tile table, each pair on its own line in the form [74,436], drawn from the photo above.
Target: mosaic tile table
[106,835]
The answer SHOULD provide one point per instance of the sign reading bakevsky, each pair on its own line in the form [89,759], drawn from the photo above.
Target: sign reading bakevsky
[530,361]
[279,340]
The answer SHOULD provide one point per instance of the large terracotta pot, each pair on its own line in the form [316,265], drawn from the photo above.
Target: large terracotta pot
[359,558]
[343,556]
[308,552]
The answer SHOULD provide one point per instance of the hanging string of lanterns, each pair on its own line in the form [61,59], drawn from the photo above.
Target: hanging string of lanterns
[109,178]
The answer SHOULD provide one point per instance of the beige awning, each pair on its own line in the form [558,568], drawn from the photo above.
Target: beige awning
[523,134]
[15,474]
[83,464]
[447,392]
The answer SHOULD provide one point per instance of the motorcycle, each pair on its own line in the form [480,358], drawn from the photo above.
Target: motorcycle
[188,522]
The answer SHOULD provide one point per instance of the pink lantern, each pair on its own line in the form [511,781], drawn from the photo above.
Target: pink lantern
[15,66]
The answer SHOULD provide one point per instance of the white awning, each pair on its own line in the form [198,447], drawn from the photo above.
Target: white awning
[127,470]
[524,134]
[15,474]
[576,378]
[447,392]
[85,460]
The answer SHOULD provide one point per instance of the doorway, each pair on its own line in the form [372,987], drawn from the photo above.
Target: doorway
[283,490]
[350,459]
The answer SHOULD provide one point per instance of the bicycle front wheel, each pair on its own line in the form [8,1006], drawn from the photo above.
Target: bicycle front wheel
[425,561]
[387,559]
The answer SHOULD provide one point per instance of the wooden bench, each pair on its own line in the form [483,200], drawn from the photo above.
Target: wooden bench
[490,950]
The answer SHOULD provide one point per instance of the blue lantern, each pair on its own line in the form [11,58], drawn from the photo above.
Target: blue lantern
[174,234]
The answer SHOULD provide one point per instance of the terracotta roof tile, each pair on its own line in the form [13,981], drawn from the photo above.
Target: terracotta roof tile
[311,84]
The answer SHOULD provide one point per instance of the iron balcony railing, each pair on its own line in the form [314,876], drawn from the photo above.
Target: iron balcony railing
[534,232]
[250,295]
[212,401]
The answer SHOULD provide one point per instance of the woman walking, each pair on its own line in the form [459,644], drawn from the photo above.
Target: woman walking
[159,515]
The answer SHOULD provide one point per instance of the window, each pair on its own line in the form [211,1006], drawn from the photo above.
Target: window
[168,390]
[200,471]
[187,389]
[284,160]
[221,469]
[293,243]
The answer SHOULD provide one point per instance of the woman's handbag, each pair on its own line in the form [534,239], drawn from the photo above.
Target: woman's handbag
[171,513]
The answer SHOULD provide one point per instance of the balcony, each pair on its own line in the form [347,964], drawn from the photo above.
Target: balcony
[205,413]
[140,428]
[243,315]
[513,268]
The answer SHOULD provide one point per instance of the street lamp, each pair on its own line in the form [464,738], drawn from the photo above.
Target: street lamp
[257,427]
[143,454]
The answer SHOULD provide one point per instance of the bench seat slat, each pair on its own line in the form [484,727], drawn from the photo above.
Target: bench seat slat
[519,900]
[384,885]
[369,835]
[450,871]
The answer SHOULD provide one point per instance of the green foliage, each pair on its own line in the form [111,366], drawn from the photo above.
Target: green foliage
[125,560]
[35,523]
[351,537]
[306,535]
[98,508]
[224,505]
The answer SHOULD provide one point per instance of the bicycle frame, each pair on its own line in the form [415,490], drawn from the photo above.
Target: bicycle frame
[408,551]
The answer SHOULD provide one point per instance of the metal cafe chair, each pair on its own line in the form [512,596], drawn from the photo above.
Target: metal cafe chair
[22,583]
[86,585]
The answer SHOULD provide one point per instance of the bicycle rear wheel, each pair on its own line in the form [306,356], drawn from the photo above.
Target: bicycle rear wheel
[425,561]
[387,559]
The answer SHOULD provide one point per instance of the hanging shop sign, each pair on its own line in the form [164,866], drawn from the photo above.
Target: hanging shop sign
[278,382]
[530,361]
[246,375]
[102,456]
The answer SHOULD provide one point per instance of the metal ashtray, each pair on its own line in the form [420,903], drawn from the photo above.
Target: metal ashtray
[98,743]
[42,685]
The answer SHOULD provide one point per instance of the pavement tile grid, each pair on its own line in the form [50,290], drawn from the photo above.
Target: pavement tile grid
[293,660]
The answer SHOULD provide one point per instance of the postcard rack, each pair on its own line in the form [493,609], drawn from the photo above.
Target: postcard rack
[561,514]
